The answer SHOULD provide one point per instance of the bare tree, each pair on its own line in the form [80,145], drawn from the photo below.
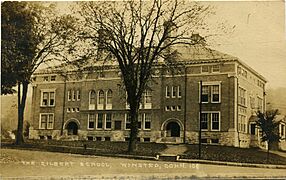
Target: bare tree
[32,35]
[139,35]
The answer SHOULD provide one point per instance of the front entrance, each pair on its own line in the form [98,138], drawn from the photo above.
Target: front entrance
[72,128]
[173,129]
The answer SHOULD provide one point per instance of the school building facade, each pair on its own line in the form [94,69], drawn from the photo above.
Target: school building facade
[93,106]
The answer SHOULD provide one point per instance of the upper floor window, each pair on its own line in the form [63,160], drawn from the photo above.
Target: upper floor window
[205,69]
[78,95]
[53,78]
[210,93]
[100,101]
[205,94]
[69,95]
[179,92]
[148,99]
[73,95]
[241,96]
[48,98]
[215,93]
[109,99]
[46,121]
[174,91]
[46,78]
[147,121]
[127,121]
[92,96]
[259,103]
[167,91]
[215,68]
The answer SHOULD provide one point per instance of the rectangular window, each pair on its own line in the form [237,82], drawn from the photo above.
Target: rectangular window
[140,118]
[241,96]
[167,92]
[46,78]
[252,102]
[148,96]
[46,121]
[69,96]
[204,121]
[205,69]
[205,94]
[91,120]
[53,78]
[215,121]
[259,103]
[167,108]
[78,95]
[127,121]
[215,68]
[48,98]
[179,92]
[147,121]
[73,95]
[99,120]
[108,121]
[174,91]
[117,125]
[179,108]
[215,93]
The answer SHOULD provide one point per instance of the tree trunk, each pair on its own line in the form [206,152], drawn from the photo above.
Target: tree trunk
[133,127]
[21,108]
[268,151]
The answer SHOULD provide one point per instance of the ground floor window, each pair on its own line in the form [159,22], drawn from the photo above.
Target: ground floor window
[46,121]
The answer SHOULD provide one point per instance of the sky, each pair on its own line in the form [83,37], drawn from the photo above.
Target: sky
[258,39]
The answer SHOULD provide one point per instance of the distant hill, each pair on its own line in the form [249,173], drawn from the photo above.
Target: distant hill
[276,99]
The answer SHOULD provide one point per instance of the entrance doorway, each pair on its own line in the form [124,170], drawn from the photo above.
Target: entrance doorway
[173,129]
[72,128]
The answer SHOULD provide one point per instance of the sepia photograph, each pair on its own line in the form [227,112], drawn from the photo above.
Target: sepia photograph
[143,89]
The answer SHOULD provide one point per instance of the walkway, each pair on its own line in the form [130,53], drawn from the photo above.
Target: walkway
[175,149]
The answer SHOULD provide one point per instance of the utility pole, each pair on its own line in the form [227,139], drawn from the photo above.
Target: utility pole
[200,122]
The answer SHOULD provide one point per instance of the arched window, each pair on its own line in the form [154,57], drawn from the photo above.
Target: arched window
[109,97]
[92,96]
[101,97]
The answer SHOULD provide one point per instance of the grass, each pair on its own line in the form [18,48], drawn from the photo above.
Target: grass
[209,152]
[232,154]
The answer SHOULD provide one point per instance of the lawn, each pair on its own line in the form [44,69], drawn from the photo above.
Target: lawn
[232,154]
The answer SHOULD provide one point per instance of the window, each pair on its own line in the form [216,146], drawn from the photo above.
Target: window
[204,121]
[252,128]
[92,95]
[49,137]
[215,121]
[109,97]
[146,139]
[215,68]
[89,138]
[106,138]
[174,91]
[77,110]
[46,121]
[73,110]
[99,120]
[68,110]
[91,120]
[204,141]
[148,97]
[214,141]
[127,121]
[69,95]
[252,102]
[215,93]
[48,98]
[147,121]
[173,108]
[241,96]
[117,125]
[140,118]
[98,138]
[46,78]
[167,92]
[179,108]
[108,121]
[179,92]
[167,108]
[100,99]
[78,95]
[242,123]
[53,78]
[205,94]
[282,130]
[205,69]
[259,103]
[73,95]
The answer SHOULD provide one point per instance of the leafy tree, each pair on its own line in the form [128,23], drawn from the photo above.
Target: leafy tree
[32,35]
[269,127]
[138,35]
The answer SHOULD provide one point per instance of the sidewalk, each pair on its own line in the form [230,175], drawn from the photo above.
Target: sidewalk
[175,149]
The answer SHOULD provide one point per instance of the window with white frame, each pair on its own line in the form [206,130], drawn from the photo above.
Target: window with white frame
[204,121]
[259,103]
[205,94]
[108,121]
[99,123]
[127,121]
[215,93]
[91,121]
[168,92]
[48,98]
[147,121]
[241,96]
[174,91]
[179,92]
[204,69]
[46,121]
[215,121]
[73,95]
[215,68]
[92,100]
[69,95]
[46,78]
[53,78]
[100,101]
[148,99]
[242,123]
[282,130]
[140,118]
[109,99]
[78,95]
